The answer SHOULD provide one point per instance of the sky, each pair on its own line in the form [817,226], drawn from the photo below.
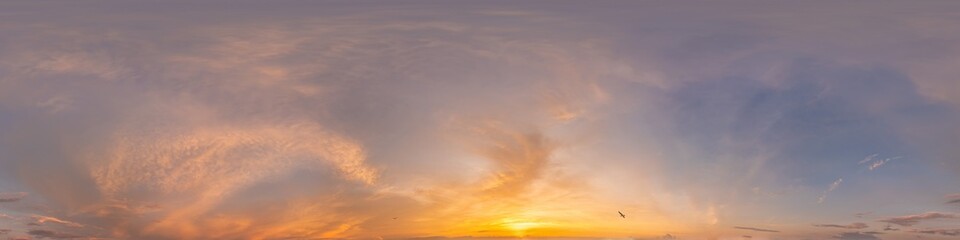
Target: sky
[479,119]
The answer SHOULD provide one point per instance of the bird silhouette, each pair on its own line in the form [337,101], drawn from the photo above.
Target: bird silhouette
[621,214]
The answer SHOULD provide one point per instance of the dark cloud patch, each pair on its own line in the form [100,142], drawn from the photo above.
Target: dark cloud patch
[756,229]
[39,233]
[953,198]
[5,231]
[856,236]
[889,228]
[911,220]
[848,226]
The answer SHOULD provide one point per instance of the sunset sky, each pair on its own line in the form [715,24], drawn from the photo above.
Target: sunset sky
[473,119]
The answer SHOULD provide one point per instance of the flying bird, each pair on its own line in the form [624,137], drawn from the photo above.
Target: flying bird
[621,214]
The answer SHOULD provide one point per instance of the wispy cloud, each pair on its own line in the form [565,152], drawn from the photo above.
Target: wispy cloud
[55,104]
[868,159]
[848,226]
[40,220]
[756,229]
[520,157]
[911,220]
[833,186]
[878,163]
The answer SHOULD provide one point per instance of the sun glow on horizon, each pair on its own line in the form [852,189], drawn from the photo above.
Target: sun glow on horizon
[520,226]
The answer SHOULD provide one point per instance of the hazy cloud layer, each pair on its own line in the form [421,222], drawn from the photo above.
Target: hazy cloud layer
[278,120]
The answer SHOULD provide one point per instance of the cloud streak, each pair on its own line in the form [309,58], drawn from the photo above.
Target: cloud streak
[833,186]
[756,229]
[848,226]
[43,234]
[945,232]
[40,220]
[879,163]
[911,220]
[868,159]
